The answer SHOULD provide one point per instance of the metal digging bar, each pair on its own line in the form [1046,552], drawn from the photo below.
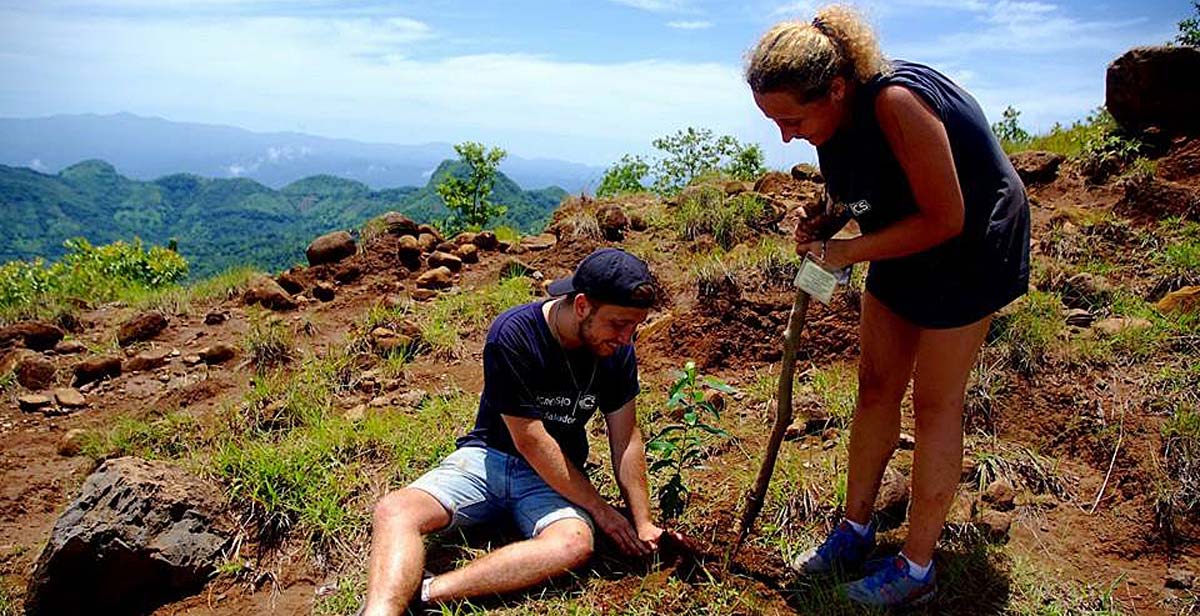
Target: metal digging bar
[783,418]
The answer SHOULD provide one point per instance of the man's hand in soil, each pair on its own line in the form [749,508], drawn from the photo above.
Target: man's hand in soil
[621,531]
[654,536]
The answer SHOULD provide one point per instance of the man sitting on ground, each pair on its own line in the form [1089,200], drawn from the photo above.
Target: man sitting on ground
[547,367]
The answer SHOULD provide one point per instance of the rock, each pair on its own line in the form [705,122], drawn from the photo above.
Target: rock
[1084,290]
[891,503]
[69,347]
[516,267]
[906,442]
[469,253]
[146,360]
[1036,167]
[330,248]
[191,359]
[72,442]
[324,291]
[430,230]
[1179,578]
[805,172]
[613,222]
[36,372]
[96,369]
[1155,87]
[412,398]
[970,466]
[449,247]
[466,237]
[436,278]
[428,242]
[34,403]
[218,353]
[444,259]
[1182,301]
[69,398]
[637,222]
[995,525]
[215,318]
[141,327]
[36,335]
[542,241]
[140,534]
[773,183]
[1000,494]
[347,273]
[290,282]
[1079,317]
[388,342]
[962,509]
[356,413]
[735,188]
[398,224]
[422,295]
[1115,325]
[267,293]
[486,240]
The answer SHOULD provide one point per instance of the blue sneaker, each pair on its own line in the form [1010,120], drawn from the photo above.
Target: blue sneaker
[888,584]
[843,549]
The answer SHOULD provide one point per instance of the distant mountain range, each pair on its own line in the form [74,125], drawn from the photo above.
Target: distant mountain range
[148,148]
[219,223]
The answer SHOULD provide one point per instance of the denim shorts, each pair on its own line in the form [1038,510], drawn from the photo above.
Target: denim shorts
[478,485]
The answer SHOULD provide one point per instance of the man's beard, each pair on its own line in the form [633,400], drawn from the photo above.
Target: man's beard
[584,332]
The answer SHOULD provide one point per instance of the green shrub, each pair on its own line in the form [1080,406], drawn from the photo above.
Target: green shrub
[449,316]
[165,436]
[1028,330]
[624,177]
[1189,29]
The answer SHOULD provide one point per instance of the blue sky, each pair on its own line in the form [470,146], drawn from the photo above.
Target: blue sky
[581,80]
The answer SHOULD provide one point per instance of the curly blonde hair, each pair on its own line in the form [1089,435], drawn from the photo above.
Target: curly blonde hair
[805,57]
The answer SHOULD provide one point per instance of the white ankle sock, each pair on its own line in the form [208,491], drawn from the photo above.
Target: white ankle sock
[861,529]
[915,571]
[425,589]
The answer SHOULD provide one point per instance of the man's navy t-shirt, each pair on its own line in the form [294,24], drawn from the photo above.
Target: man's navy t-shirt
[526,373]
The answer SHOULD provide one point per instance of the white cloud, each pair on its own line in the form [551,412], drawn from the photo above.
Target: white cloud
[656,6]
[37,165]
[690,25]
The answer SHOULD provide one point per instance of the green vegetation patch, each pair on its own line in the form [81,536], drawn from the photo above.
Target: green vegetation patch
[450,317]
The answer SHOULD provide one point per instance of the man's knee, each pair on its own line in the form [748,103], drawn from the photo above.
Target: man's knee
[410,509]
[571,539]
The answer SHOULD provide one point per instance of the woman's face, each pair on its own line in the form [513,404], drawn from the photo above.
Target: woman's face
[815,121]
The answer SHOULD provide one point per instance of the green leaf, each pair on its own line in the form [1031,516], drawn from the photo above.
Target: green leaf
[718,385]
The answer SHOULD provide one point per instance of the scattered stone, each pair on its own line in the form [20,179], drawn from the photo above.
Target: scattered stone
[613,221]
[1036,167]
[1182,301]
[805,172]
[637,222]
[412,398]
[447,246]
[995,525]
[398,224]
[1179,578]
[141,327]
[146,360]
[469,253]
[1000,494]
[267,293]
[422,295]
[301,300]
[408,250]
[962,509]
[141,534]
[36,335]
[466,237]
[1115,325]
[1147,88]
[72,442]
[891,503]
[1085,290]
[378,402]
[486,240]
[388,342]
[218,353]
[431,230]
[1079,317]
[215,318]
[516,267]
[69,347]
[436,278]
[97,369]
[347,273]
[829,434]
[428,242]
[324,291]
[69,398]
[356,413]
[33,403]
[773,183]
[290,281]
[542,241]
[907,442]
[191,360]
[35,372]
[444,259]
[330,248]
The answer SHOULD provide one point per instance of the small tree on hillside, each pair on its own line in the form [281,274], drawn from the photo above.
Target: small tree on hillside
[1189,29]
[468,198]
[1008,130]
[624,177]
[693,152]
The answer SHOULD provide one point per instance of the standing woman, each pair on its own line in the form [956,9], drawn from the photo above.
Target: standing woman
[945,227]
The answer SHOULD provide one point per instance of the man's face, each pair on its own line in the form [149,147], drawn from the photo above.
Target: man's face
[604,328]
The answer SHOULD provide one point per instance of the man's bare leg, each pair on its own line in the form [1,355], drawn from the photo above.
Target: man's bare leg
[397,549]
[560,547]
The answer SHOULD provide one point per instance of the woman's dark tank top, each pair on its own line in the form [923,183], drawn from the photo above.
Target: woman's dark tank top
[970,276]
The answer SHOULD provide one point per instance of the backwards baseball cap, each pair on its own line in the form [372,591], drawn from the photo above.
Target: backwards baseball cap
[610,276]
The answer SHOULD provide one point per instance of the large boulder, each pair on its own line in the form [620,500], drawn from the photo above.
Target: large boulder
[1036,167]
[35,372]
[36,335]
[330,248]
[436,278]
[267,293]
[447,260]
[141,327]
[1155,87]
[140,534]
[97,368]
[398,224]
[613,222]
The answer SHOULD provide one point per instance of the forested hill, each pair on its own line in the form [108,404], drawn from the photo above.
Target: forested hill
[218,223]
